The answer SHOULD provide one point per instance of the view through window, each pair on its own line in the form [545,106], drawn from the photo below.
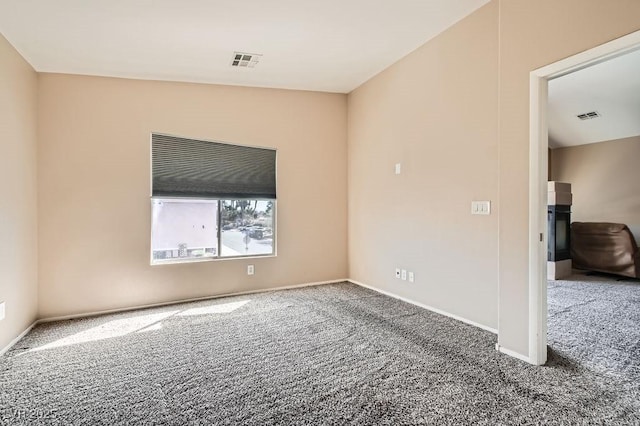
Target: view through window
[247,227]
[188,229]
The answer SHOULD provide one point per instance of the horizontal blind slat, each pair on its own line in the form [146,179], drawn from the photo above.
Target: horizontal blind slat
[193,168]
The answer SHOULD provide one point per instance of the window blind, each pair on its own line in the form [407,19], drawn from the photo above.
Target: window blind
[200,169]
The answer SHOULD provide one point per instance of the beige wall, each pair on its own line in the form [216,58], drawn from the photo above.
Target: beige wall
[436,113]
[94,208]
[455,113]
[18,225]
[605,179]
[534,34]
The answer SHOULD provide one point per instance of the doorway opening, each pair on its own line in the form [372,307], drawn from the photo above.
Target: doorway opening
[538,177]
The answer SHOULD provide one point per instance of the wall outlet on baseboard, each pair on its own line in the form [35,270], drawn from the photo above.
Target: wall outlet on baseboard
[1,311]
[398,273]
[250,270]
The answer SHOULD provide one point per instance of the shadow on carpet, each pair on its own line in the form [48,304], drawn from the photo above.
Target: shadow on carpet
[595,323]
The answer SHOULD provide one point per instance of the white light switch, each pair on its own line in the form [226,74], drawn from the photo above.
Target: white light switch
[398,168]
[1,311]
[404,275]
[250,270]
[481,207]
[411,277]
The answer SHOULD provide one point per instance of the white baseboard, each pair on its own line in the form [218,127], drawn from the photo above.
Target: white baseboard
[175,302]
[514,354]
[456,317]
[17,339]
[427,307]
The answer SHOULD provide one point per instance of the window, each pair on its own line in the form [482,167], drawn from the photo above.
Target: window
[184,229]
[211,200]
[247,227]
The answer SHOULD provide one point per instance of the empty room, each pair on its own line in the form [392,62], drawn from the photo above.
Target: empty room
[251,213]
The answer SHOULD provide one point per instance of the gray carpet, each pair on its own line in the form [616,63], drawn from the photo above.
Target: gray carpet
[595,322]
[326,355]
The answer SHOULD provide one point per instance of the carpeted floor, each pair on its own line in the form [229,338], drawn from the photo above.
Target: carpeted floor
[326,355]
[595,322]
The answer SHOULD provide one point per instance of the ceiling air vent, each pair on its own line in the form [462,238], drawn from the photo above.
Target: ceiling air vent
[589,115]
[245,60]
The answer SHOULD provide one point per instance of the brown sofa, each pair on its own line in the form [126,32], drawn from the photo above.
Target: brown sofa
[604,247]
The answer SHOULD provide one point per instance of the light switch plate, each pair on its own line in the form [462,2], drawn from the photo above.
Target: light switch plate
[404,275]
[481,207]
[1,311]
[411,277]
[398,168]
[250,270]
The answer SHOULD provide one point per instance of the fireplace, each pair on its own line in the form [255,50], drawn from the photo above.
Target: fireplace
[559,243]
[559,202]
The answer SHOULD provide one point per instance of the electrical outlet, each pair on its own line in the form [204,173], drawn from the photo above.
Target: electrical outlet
[411,277]
[250,270]
[398,273]
[404,275]
[1,311]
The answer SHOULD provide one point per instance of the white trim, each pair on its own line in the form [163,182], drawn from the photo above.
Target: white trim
[514,354]
[17,339]
[538,165]
[427,307]
[596,55]
[178,261]
[175,302]
[538,145]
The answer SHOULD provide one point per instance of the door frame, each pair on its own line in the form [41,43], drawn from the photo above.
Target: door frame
[538,175]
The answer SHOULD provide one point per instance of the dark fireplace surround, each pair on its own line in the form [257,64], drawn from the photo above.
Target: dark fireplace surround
[559,243]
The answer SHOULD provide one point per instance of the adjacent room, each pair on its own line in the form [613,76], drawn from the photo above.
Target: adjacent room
[251,213]
[594,136]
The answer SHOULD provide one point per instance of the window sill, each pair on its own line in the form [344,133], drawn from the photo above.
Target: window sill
[209,259]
